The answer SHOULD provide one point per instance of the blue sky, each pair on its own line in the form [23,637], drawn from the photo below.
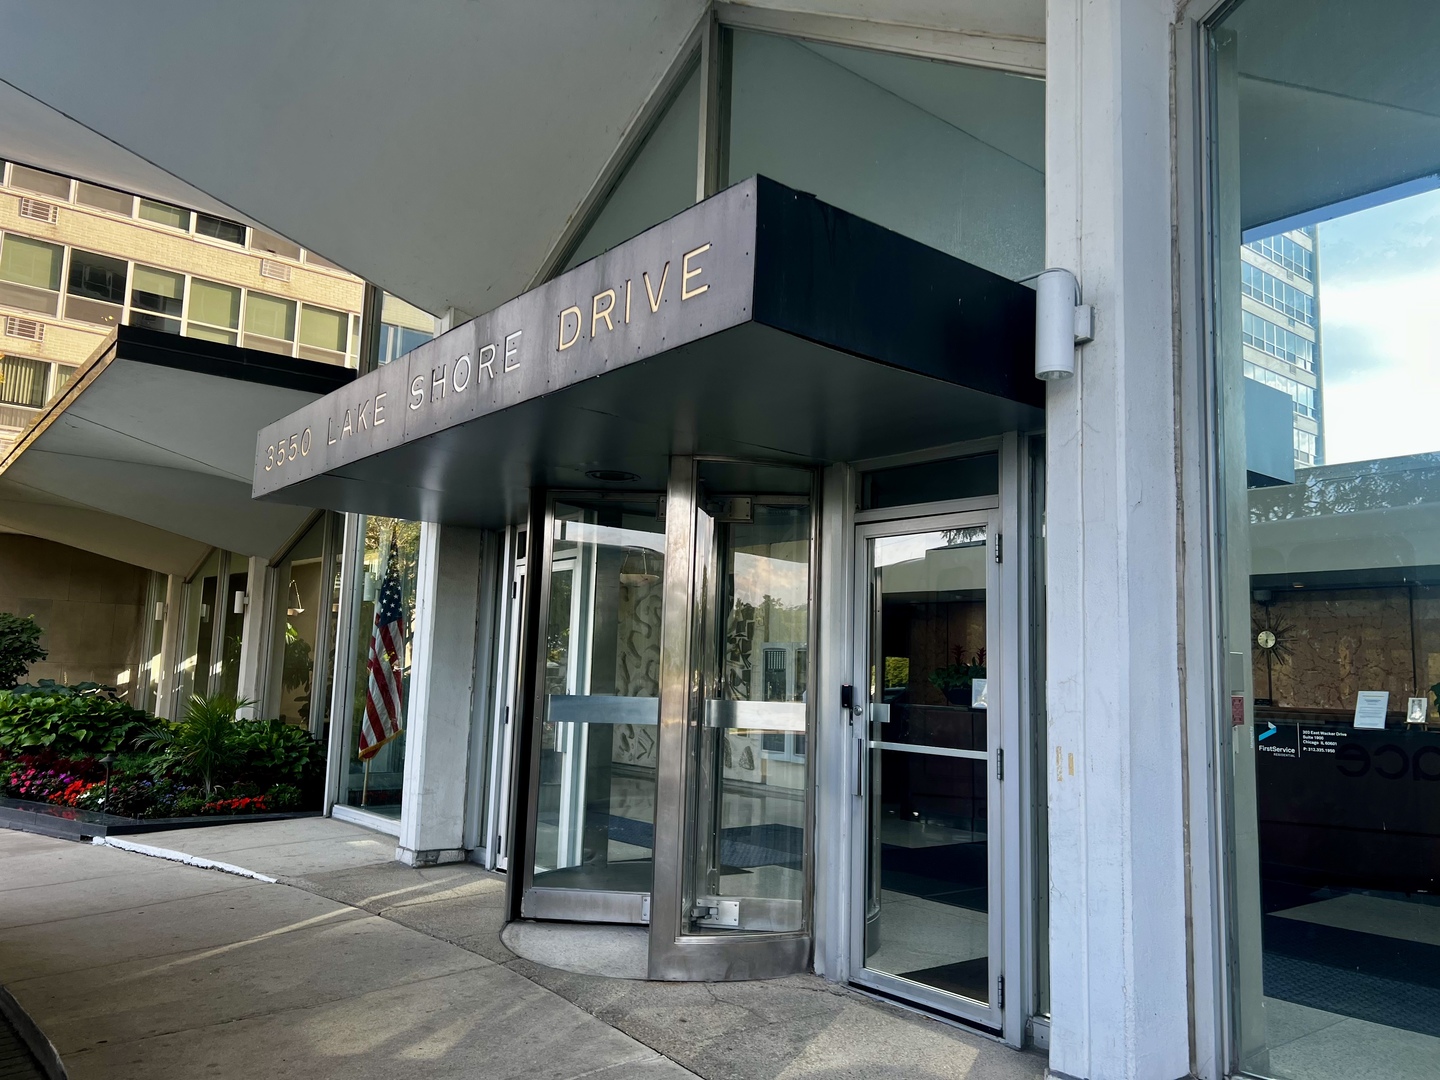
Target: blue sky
[1379,273]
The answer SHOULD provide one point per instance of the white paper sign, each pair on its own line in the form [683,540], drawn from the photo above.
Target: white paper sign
[1370,708]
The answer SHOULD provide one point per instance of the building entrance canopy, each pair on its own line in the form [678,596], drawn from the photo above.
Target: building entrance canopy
[142,457]
[760,323]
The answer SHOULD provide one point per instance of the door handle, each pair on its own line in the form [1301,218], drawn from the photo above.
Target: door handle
[859,767]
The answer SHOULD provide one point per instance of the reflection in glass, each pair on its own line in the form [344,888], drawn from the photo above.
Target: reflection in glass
[752,654]
[200,617]
[928,883]
[232,633]
[1331,514]
[595,820]
[301,615]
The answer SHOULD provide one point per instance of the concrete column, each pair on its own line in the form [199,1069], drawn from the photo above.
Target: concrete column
[442,684]
[1119,972]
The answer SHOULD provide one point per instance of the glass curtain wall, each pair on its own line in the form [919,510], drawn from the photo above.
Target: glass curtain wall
[305,622]
[952,156]
[1325,132]
[214,628]
[193,676]
[375,752]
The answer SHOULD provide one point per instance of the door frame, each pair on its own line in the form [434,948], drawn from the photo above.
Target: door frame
[998,739]
[1011,819]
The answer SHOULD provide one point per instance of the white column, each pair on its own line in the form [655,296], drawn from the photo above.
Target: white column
[442,684]
[1119,978]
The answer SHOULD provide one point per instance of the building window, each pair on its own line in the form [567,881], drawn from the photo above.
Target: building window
[1327,654]
[232,232]
[30,274]
[165,214]
[40,182]
[1280,343]
[260,240]
[323,334]
[270,323]
[96,288]
[403,327]
[1280,295]
[104,198]
[1284,251]
[391,556]
[157,299]
[214,311]
[22,381]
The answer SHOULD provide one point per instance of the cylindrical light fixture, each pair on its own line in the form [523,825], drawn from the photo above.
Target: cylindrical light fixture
[1058,317]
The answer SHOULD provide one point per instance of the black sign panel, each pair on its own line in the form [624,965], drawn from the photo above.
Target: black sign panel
[761,321]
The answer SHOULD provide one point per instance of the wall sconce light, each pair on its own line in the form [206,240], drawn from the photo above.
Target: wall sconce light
[1061,323]
[242,600]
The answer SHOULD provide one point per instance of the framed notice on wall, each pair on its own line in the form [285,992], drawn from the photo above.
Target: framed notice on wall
[1370,708]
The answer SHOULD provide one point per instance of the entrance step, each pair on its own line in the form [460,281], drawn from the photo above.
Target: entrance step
[616,952]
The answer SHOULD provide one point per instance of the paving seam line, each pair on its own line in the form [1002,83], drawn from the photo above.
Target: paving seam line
[30,1034]
[180,857]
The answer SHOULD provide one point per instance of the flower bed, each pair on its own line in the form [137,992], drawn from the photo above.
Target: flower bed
[72,747]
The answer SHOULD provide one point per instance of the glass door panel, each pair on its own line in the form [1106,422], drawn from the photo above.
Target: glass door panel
[747,856]
[926,731]
[594,819]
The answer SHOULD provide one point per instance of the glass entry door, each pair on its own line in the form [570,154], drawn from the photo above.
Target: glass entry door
[592,822]
[926,735]
[751,663]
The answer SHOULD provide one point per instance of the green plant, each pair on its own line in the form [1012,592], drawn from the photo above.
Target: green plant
[959,674]
[272,751]
[19,647]
[82,719]
[201,746]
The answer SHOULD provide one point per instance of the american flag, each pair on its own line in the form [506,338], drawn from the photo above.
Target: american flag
[384,696]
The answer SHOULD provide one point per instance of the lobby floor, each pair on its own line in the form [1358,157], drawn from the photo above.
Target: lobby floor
[1352,985]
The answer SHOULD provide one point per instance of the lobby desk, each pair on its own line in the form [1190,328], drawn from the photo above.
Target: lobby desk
[1356,808]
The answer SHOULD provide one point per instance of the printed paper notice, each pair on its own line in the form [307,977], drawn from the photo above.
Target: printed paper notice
[1370,708]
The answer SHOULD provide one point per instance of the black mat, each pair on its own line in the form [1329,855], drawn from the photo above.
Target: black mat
[742,846]
[968,978]
[1368,976]
[954,874]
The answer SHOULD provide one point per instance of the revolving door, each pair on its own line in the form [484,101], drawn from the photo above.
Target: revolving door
[667,775]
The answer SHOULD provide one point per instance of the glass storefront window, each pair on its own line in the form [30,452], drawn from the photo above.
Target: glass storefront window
[391,556]
[304,628]
[1322,119]
[952,156]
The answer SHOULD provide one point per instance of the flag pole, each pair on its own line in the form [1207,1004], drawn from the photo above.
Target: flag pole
[365,784]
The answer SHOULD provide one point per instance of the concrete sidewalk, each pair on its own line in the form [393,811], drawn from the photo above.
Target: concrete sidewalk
[355,966]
